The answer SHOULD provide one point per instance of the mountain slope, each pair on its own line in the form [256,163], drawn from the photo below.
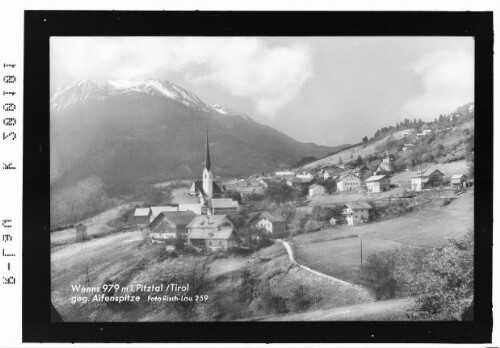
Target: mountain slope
[147,131]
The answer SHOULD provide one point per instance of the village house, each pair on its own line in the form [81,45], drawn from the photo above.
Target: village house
[316,190]
[377,183]
[272,223]
[426,179]
[459,180]
[330,174]
[363,172]
[284,173]
[386,166]
[348,182]
[212,232]
[423,133]
[264,182]
[298,183]
[170,225]
[223,206]
[356,212]
[408,147]
[406,133]
[81,232]
[305,176]
[155,211]
[142,216]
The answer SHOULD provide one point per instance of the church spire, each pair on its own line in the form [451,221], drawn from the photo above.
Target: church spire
[207,156]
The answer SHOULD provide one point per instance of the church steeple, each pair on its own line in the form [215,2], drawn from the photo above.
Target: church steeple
[208,185]
[207,156]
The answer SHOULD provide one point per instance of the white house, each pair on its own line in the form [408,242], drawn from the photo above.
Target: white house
[304,176]
[348,182]
[377,183]
[212,232]
[356,212]
[271,223]
[316,189]
[284,173]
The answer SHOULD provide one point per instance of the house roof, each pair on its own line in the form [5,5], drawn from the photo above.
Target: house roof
[300,181]
[178,218]
[345,175]
[189,206]
[427,172]
[142,212]
[222,233]
[80,225]
[222,203]
[207,221]
[358,205]
[458,176]
[272,217]
[363,167]
[158,210]
[375,178]
[313,185]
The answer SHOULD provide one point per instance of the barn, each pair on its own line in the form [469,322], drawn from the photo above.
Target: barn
[170,225]
[81,232]
[427,179]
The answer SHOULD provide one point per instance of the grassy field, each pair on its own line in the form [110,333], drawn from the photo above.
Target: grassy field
[346,154]
[428,226]
[344,197]
[391,310]
[98,225]
[236,284]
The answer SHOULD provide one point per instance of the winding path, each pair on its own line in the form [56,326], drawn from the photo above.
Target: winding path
[289,251]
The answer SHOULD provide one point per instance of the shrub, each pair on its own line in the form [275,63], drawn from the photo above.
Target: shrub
[448,283]
[302,299]
[273,304]
[180,244]
[379,271]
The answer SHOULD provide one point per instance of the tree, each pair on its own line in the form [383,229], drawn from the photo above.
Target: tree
[359,160]
[279,192]
[234,195]
[196,275]
[340,160]
[448,284]
[365,140]
[379,272]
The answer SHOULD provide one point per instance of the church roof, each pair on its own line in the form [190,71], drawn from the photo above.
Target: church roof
[198,186]
[207,156]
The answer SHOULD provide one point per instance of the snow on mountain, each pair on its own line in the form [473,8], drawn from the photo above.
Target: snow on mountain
[75,92]
[86,89]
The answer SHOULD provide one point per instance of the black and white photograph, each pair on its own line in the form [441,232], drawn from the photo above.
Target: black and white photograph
[253,178]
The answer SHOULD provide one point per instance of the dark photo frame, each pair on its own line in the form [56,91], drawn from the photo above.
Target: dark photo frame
[40,26]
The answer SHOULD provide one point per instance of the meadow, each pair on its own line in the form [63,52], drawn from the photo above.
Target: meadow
[428,226]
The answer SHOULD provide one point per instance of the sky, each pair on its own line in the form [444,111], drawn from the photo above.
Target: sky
[326,90]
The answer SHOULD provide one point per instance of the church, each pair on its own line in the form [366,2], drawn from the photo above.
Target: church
[210,193]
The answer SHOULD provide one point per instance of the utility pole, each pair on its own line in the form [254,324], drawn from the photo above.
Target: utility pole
[361,248]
